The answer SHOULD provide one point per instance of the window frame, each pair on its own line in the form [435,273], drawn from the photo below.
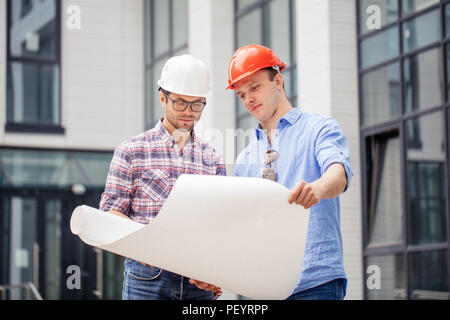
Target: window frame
[239,13]
[150,60]
[14,127]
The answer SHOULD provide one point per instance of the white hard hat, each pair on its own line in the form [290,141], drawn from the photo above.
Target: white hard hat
[185,75]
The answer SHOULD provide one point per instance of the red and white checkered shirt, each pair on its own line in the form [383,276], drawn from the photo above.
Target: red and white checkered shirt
[145,168]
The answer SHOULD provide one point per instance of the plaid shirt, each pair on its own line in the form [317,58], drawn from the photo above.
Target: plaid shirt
[145,168]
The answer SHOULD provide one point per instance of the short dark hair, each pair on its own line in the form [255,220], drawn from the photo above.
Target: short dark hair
[164,92]
[271,72]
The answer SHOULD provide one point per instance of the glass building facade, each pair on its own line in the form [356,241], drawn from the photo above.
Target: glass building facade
[166,33]
[404,128]
[272,24]
[33,66]
[39,189]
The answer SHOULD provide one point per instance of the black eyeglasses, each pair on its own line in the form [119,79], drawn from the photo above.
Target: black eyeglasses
[269,172]
[182,105]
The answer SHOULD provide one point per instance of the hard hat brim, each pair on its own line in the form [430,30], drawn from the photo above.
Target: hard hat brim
[184,93]
[249,73]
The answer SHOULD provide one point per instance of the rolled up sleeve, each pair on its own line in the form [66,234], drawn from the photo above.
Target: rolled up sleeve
[119,183]
[331,147]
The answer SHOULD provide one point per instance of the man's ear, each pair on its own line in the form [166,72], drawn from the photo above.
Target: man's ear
[162,99]
[279,81]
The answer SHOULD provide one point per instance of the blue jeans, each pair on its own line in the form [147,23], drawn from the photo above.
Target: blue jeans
[151,283]
[333,290]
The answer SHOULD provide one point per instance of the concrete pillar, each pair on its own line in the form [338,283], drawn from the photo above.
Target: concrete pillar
[211,39]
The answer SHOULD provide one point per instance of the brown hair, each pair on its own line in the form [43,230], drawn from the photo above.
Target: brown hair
[271,72]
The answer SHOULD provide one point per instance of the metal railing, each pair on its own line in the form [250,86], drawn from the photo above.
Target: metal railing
[31,293]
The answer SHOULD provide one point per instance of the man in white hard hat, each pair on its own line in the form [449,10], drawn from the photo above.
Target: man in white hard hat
[144,170]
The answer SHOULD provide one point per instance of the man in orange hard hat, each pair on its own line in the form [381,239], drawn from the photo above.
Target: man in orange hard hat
[144,170]
[308,153]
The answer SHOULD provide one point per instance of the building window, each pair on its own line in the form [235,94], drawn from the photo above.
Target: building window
[425,186]
[381,96]
[403,81]
[384,189]
[38,191]
[423,80]
[392,282]
[270,23]
[33,67]
[166,35]
[388,13]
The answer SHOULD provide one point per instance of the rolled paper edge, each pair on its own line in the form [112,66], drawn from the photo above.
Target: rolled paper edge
[77,221]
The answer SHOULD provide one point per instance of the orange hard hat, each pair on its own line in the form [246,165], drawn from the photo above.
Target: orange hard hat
[249,59]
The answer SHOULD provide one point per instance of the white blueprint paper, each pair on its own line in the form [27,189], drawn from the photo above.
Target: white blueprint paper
[237,233]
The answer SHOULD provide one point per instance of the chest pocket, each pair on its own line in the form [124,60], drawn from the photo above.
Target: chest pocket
[155,184]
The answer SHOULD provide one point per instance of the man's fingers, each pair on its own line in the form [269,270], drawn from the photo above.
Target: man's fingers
[196,282]
[308,205]
[311,203]
[304,195]
[215,289]
[211,287]
[205,286]
[144,264]
[307,199]
[296,192]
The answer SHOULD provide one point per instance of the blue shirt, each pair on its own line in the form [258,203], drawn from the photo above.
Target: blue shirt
[307,144]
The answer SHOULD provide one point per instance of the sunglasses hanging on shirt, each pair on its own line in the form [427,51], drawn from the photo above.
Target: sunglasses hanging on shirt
[269,172]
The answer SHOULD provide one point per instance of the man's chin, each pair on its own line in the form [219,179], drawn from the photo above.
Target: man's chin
[188,126]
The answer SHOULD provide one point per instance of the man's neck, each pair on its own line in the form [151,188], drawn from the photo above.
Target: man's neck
[181,136]
[270,126]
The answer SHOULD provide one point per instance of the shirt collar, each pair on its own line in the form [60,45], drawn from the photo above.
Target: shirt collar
[292,116]
[289,118]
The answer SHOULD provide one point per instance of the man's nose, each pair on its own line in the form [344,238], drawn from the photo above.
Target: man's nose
[249,99]
[188,110]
